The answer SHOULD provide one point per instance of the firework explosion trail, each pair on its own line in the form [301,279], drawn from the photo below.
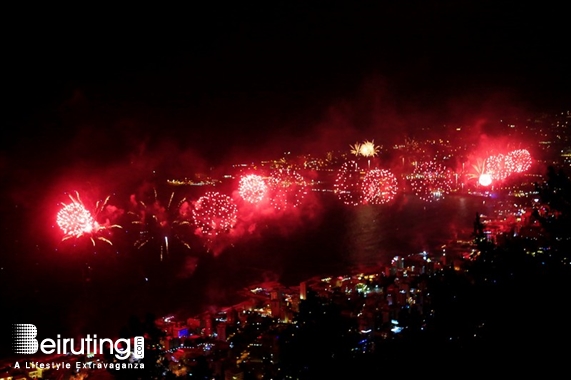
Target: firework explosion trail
[430,181]
[479,168]
[287,188]
[355,149]
[479,175]
[369,149]
[348,186]
[157,224]
[252,188]
[379,186]
[76,221]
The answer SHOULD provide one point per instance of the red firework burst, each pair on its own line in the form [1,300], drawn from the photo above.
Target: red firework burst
[518,161]
[496,167]
[379,186]
[348,184]
[214,213]
[76,221]
[252,188]
[430,181]
[287,188]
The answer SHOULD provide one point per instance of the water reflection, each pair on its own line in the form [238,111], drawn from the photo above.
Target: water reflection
[376,233]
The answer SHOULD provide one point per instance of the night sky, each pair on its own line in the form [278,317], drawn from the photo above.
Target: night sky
[232,80]
[98,95]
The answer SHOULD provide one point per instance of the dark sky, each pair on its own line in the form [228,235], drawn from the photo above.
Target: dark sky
[97,88]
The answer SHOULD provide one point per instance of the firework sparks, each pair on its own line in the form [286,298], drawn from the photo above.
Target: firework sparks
[76,221]
[379,186]
[478,174]
[214,213]
[518,161]
[287,188]
[430,181]
[252,188]
[348,184]
[369,149]
[355,149]
[158,223]
[496,168]
[485,179]
[479,169]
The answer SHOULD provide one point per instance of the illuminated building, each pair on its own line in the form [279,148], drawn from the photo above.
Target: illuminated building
[231,316]
[303,290]
[179,331]
[193,324]
[294,303]
[233,374]
[207,324]
[32,373]
[221,331]
[277,303]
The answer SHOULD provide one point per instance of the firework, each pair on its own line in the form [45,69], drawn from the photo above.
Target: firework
[518,161]
[495,166]
[479,168]
[355,149]
[214,213]
[430,181]
[287,188]
[379,186]
[159,223]
[76,221]
[369,149]
[485,179]
[252,188]
[479,175]
[348,184]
